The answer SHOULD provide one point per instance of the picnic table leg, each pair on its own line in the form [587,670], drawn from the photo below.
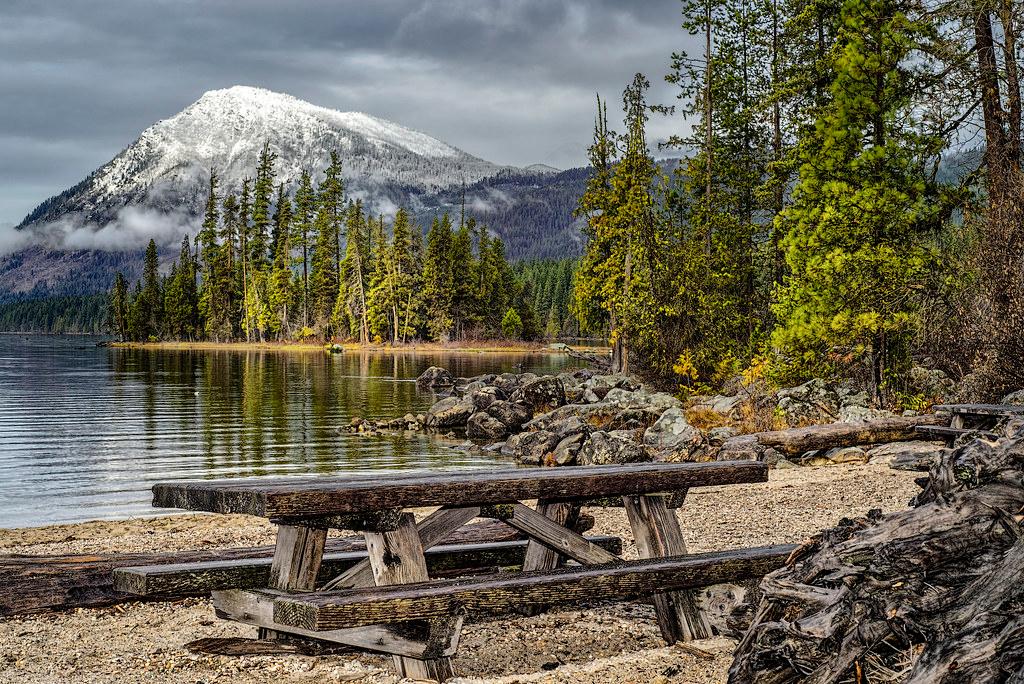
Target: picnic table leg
[396,557]
[540,557]
[657,534]
[296,563]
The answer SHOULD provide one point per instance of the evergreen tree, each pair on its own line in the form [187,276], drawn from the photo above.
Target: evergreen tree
[862,208]
[151,311]
[302,229]
[512,325]
[280,294]
[438,279]
[351,311]
[119,306]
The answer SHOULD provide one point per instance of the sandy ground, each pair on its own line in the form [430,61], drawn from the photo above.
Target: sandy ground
[607,644]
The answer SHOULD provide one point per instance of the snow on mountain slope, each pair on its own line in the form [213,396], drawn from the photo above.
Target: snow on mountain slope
[165,171]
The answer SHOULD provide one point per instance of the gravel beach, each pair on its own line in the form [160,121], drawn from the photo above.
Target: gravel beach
[609,644]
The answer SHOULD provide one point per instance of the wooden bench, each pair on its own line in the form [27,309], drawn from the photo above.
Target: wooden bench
[979,419]
[387,601]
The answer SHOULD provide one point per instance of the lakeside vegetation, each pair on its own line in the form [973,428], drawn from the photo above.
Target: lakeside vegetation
[815,229]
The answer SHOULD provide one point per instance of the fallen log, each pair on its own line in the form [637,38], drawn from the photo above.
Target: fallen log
[588,357]
[929,595]
[39,584]
[796,441]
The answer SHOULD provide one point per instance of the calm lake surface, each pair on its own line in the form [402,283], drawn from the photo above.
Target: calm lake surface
[86,431]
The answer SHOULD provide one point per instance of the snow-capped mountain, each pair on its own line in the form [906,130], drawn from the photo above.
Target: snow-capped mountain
[74,242]
[167,168]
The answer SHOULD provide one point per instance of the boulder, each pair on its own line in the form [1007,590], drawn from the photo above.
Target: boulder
[435,377]
[482,425]
[506,382]
[721,404]
[917,456]
[541,395]
[934,384]
[597,415]
[450,412]
[485,396]
[846,455]
[574,394]
[815,401]
[602,448]
[590,397]
[718,435]
[862,414]
[599,385]
[634,419]
[566,450]
[573,425]
[511,413]
[530,448]
[620,395]
[662,401]
[673,436]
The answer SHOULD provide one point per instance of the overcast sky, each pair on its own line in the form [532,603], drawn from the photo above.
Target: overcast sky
[512,81]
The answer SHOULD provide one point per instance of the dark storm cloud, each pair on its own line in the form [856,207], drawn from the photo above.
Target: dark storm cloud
[509,81]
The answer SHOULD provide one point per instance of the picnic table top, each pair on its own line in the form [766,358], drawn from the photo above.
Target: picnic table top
[983,409]
[311,497]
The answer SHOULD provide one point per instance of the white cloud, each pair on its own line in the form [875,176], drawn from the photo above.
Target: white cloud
[132,229]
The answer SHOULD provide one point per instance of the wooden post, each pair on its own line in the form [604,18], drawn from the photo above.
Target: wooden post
[397,558]
[296,563]
[540,557]
[657,534]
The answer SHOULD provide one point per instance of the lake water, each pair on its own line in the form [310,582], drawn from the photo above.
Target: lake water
[86,431]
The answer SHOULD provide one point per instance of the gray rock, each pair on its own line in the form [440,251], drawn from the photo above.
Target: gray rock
[916,455]
[741,448]
[450,412]
[435,376]
[815,401]
[507,382]
[617,394]
[772,457]
[846,455]
[634,419]
[482,425]
[599,385]
[530,448]
[862,414]
[721,404]
[590,397]
[566,451]
[569,380]
[663,400]
[572,425]
[574,394]
[604,449]
[511,413]
[484,397]
[542,394]
[934,384]
[718,435]
[673,436]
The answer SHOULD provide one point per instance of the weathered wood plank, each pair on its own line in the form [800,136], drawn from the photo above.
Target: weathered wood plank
[549,533]
[502,592]
[35,584]
[296,562]
[431,529]
[539,556]
[800,440]
[950,433]
[277,498]
[397,558]
[256,607]
[178,580]
[658,535]
[982,409]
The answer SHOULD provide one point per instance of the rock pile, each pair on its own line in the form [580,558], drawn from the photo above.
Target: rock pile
[577,418]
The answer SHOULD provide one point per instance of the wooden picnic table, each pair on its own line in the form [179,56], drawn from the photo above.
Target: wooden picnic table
[364,606]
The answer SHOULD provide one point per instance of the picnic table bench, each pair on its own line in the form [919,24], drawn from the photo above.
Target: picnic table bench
[980,419]
[387,602]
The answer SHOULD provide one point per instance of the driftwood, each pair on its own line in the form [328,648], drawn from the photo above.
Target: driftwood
[931,595]
[38,584]
[588,357]
[797,441]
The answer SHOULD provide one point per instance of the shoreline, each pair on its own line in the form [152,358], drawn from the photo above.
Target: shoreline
[482,347]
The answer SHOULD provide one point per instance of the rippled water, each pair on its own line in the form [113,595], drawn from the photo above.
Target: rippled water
[86,431]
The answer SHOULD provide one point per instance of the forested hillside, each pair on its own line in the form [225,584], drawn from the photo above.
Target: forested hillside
[85,314]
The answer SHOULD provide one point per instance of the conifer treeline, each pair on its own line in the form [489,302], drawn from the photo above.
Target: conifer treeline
[810,231]
[277,263]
